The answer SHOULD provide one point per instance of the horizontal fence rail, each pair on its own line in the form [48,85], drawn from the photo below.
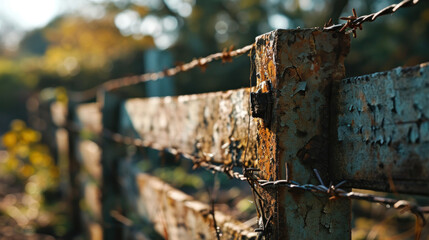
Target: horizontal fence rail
[383,131]
[212,126]
[179,216]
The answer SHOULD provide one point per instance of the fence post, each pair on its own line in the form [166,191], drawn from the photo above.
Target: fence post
[73,168]
[111,153]
[295,70]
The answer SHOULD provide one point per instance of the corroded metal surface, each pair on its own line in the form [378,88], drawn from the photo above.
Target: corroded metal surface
[211,124]
[176,215]
[298,67]
[89,117]
[382,131]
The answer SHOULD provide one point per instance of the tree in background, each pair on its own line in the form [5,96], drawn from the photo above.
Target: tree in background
[106,39]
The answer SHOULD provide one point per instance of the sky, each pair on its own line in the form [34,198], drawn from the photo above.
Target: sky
[29,14]
[20,16]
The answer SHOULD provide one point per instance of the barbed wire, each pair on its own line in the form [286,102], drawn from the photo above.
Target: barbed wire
[226,56]
[354,22]
[250,175]
[333,191]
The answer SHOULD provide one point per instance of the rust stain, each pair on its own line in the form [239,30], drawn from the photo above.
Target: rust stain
[266,148]
[297,136]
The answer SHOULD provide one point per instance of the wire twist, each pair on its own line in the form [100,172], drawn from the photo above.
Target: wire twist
[333,191]
[354,22]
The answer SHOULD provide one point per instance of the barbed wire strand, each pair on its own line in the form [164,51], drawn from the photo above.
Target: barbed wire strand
[225,56]
[333,191]
[206,161]
[354,22]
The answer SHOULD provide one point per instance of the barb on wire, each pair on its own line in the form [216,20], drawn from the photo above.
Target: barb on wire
[204,161]
[225,56]
[354,22]
[249,175]
[336,192]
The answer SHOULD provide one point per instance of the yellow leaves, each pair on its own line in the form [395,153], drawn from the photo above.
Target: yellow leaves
[30,136]
[19,137]
[26,170]
[10,139]
[17,125]
[36,158]
[11,163]
[62,60]
[40,159]
[21,150]
[74,45]
[26,157]
[61,95]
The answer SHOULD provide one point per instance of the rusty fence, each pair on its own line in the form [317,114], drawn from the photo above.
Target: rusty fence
[302,138]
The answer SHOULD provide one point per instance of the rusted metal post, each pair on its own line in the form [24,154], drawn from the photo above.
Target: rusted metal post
[295,70]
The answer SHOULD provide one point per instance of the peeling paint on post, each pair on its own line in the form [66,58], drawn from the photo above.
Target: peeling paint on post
[298,67]
[382,131]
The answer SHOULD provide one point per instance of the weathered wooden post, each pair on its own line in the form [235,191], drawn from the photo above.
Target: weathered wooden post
[111,153]
[73,166]
[295,70]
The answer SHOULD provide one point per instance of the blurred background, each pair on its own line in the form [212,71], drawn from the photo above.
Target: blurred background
[77,44]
